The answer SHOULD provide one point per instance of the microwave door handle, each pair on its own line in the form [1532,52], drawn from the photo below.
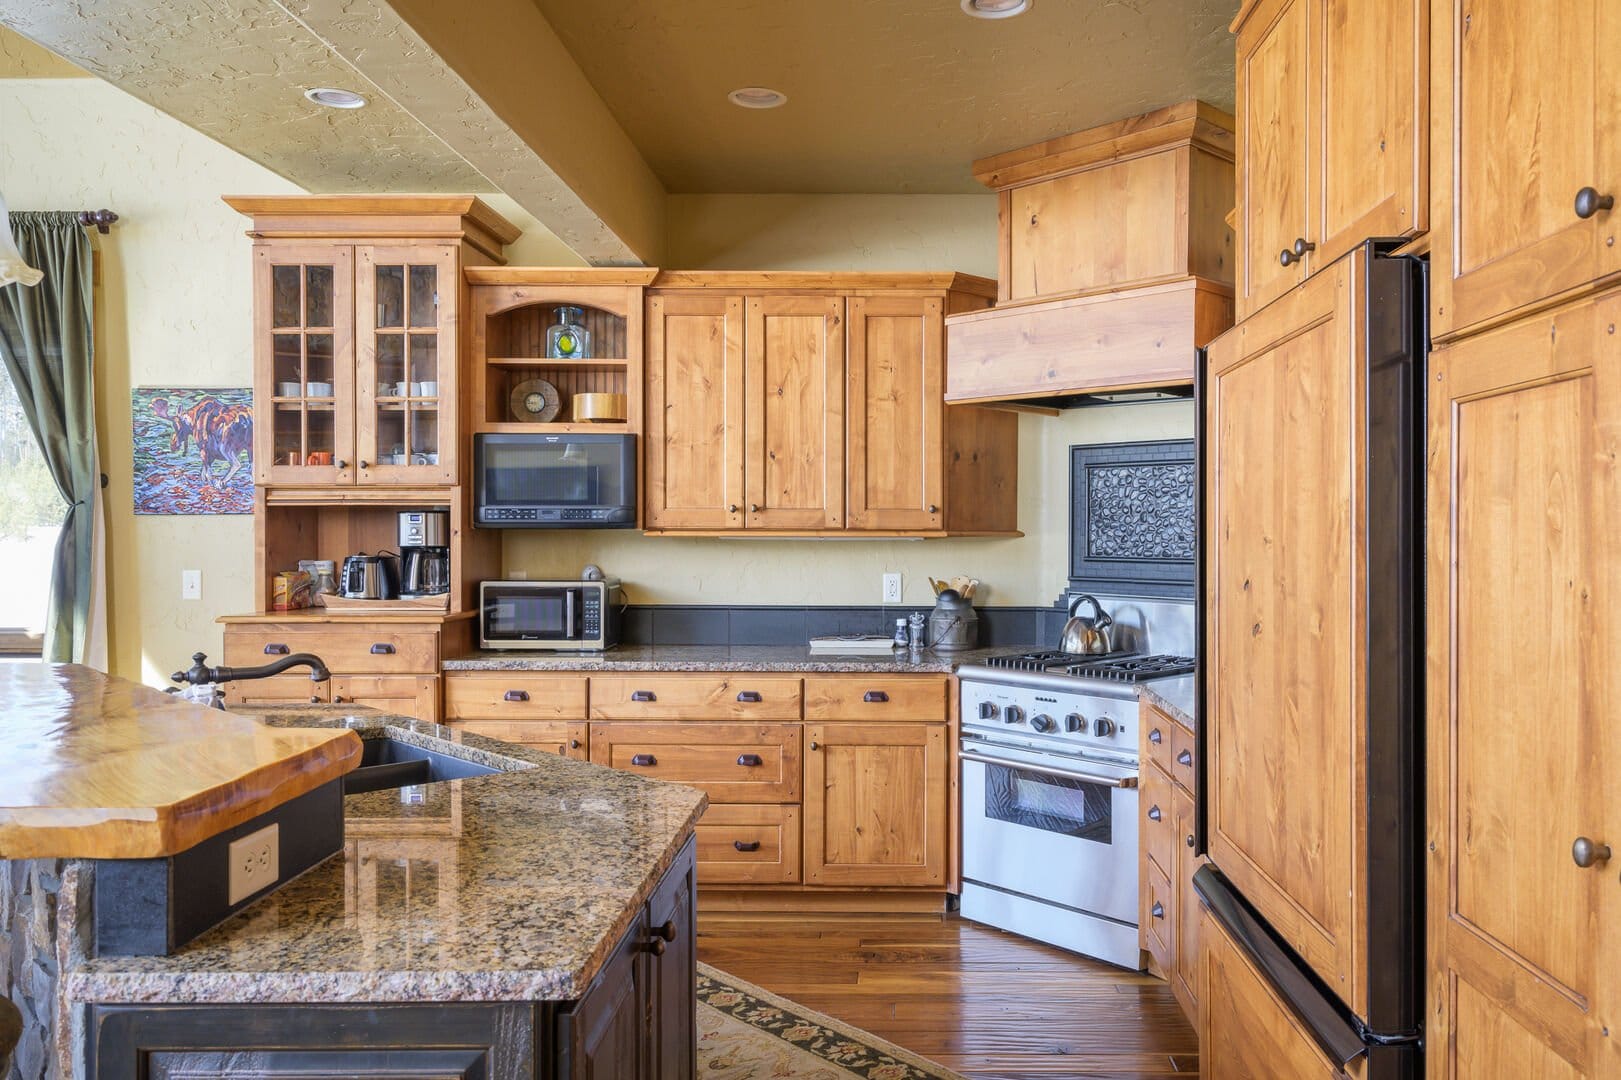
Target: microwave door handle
[571,629]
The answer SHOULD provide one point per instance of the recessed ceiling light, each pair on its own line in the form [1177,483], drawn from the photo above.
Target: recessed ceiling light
[757,97]
[996,9]
[333,98]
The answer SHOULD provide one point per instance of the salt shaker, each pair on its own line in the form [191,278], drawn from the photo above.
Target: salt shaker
[901,639]
[914,629]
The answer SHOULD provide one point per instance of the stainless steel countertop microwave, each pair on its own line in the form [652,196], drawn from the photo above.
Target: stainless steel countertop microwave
[572,616]
[539,480]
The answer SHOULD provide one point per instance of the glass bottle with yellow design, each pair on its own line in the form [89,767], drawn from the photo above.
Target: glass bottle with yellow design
[569,339]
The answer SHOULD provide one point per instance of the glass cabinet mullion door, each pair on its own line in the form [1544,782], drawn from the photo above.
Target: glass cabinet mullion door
[406,364]
[303,364]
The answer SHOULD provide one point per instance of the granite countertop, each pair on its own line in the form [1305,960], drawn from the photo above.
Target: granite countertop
[508,887]
[723,658]
[1176,696]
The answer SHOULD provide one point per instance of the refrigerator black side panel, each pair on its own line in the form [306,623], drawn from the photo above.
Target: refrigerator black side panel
[1396,350]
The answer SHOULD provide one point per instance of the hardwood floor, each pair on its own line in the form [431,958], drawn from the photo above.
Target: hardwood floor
[982,1002]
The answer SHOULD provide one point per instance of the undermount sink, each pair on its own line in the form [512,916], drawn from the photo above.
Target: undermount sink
[391,763]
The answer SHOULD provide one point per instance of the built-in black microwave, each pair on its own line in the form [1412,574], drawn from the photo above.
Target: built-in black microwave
[546,481]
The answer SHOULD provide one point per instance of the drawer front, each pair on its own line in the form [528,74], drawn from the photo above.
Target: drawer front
[730,696]
[1156,806]
[514,695]
[291,689]
[1159,930]
[1159,732]
[566,738]
[741,844]
[358,650]
[1184,758]
[734,763]
[408,695]
[878,697]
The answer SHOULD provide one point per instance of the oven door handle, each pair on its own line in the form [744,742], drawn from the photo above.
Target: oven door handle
[1048,770]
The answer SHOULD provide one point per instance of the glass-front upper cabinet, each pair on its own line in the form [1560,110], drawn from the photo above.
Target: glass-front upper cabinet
[405,367]
[303,364]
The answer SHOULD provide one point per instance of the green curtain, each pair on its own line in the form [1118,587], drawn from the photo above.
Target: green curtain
[46,342]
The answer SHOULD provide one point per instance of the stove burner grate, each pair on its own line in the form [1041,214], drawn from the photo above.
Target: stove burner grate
[1132,668]
[1030,661]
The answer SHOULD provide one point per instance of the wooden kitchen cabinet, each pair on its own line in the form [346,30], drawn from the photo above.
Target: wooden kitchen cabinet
[1523,122]
[876,804]
[356,335]
[1333,134]
[749,844]
[1524,498]
[295,688]
[1172,937]
[733,763]
[412,695]
[814,404]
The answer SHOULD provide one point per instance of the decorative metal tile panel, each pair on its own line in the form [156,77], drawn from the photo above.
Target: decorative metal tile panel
[1132,517]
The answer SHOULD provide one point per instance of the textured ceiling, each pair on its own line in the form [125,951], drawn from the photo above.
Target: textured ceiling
[883,95]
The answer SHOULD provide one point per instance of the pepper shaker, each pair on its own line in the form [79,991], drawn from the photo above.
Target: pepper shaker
[914,629]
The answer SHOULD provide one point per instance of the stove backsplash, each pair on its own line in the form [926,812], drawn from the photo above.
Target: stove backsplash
[1147,626]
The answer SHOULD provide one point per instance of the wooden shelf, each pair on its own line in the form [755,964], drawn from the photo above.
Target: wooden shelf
[588,364]
[614,427]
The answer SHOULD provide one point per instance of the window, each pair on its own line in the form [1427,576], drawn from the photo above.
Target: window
[31,511]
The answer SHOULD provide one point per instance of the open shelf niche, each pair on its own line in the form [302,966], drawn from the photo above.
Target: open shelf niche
[512,310]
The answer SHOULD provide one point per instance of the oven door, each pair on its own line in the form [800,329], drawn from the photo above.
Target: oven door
[1054,827]
[517,613]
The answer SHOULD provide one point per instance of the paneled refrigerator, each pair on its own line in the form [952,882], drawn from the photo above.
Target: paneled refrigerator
[1310,732]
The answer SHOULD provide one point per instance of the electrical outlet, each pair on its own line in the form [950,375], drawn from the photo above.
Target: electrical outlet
[191,584]
[517,575]
[255,863]
[892,588]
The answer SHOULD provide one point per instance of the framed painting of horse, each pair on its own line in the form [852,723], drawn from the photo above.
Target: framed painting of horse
[193,450]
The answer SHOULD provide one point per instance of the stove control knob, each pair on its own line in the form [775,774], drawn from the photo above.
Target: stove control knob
[1043,723]
[987,710]
[1075,722]
[1012,714]
[1103,727]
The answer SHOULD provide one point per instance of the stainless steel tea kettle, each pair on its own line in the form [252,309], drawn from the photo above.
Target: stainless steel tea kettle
[1081,636]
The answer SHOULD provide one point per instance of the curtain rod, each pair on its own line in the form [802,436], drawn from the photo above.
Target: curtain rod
[101,219]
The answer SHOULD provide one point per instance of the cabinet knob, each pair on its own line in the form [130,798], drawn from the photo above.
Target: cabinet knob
[731,508]
[1291,255]
[1586,853]
[665,932]
[337,699]
[276,650]
[315,699]
[750,761]
[1185,758]
[933,509]
[644,760]
[656,946]
[1190,839]
[754,508]
[574,744]
[1590,202]
[1154,813]
[746,845]
[815,745]
[340,463]
[515,695]
[1158,910]
[364,464]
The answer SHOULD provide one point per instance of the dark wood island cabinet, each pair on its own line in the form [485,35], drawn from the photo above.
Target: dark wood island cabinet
[636,1020]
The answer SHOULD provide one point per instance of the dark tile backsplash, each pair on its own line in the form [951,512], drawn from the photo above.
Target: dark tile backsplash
[683,624]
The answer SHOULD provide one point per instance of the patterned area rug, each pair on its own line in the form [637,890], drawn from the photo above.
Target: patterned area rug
[746,1033]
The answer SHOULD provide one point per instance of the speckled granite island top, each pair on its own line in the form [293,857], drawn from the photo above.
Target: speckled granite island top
[508,887]
[723,658]
[1174,696]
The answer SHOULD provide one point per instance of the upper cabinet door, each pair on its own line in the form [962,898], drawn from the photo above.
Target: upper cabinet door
[1525,500]
[795,412]
[406,364]
[303,365]
[1284,732]
[694,452]
[1272,153]
[896,383]
[1370,159]
[1520,99]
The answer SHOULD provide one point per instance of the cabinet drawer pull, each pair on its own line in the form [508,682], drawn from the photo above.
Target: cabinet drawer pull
[1590,202]
[515,695]
[646,760]
[643,695]
[1185,758]
[382,648]
[1155,737]
[746,845]
[1158,910]
[753,761]
[750,697]
[1154,813]
[277,650]
[875,697]
[665,932]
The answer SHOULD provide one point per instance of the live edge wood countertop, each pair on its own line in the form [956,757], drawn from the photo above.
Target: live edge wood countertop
[96,767]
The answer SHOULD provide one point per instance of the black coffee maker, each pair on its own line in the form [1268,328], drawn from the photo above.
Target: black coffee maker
[424,552]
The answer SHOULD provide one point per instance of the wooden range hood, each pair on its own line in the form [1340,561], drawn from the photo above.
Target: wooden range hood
[1116,262]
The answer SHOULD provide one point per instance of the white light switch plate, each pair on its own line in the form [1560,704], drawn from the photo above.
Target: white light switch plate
[191,584]
[892,588]
[255,863]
